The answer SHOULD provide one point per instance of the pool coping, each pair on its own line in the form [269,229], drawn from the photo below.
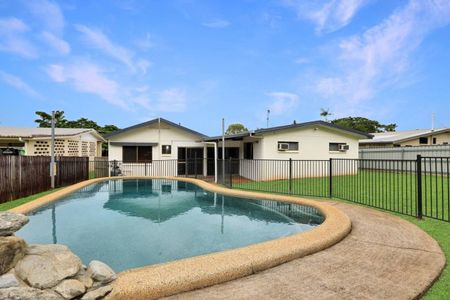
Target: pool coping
[165,279]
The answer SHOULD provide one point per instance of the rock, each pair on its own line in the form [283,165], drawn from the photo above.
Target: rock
[84,278]
[12,249]
[8,280]
[70,288]
[97,293]
[44,266]
[27,293]
[101,272]
[11,222]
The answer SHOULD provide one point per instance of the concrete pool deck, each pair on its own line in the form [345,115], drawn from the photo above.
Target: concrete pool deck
[384,257]
[165,279]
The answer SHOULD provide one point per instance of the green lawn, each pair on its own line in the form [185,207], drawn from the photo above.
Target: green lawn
[393,191]
[20,201]
[440,231]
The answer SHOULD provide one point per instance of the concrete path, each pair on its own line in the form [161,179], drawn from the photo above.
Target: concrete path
[384,257]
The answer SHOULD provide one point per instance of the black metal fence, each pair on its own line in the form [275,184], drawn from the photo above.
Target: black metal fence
[419,187]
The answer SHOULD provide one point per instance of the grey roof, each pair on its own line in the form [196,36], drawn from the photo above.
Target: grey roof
[400,136]
[294,125]
[23,132]
[154,121]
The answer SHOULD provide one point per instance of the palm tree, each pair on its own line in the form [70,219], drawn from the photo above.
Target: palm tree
[325,113]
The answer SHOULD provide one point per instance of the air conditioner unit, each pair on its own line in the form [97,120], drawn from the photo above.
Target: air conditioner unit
[283,146]
[344,147]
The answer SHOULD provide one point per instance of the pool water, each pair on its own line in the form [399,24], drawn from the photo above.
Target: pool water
[131,223]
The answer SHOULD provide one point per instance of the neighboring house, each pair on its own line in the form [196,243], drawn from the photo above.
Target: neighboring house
[37,142]
[407,138]
[160,139]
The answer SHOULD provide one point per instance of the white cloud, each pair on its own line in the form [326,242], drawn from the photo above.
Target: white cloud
[378,58]
[327,15]
[145,43]
[97,39]
[60,45]
[18,84]
[172,100]
[49,13]
[282,102]
[88,78]
[12,38]
[301,61]
[217,23]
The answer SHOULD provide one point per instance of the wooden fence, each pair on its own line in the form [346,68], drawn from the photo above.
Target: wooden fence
[21,176]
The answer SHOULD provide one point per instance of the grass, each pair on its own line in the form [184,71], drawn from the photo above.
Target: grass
[392,191]
[440,231]
[20,201]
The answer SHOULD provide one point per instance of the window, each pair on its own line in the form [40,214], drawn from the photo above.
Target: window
[423,140]
[166,149]
[287,146]
[338,147]
[132,154]
[248,150]
[434,141]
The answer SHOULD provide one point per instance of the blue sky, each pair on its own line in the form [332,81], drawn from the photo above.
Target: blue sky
[194,62]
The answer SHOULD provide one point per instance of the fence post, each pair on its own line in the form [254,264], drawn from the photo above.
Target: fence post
[231,173]
[290,175]
[195,166]
[330,176]
[114,167]
[145,168]
[419,186]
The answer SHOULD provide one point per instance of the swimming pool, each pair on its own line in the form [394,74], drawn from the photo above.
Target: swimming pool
[130,223]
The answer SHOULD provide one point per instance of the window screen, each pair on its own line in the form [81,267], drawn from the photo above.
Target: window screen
[144,153]
[248,150]
[129,154]
[166,149]
[423,140]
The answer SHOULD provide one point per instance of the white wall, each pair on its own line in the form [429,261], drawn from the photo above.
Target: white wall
[167,135]
[313,144]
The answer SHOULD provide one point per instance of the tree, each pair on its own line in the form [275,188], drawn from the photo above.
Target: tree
[325,113]
[364,124]
[46,119]
[236,128]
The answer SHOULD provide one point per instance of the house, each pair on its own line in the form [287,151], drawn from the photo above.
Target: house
[79,142]
[407,138]
[159,139]
[310,141]
[316,140]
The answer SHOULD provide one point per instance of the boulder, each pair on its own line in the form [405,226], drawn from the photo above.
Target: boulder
[44,266]
[27,293]
[70,288]
[98,293]
[101,272]
[8,280]
[84,278]
[12,249]
[11,222]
